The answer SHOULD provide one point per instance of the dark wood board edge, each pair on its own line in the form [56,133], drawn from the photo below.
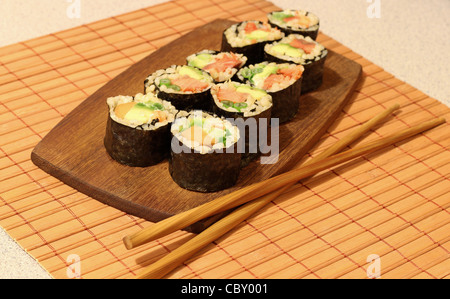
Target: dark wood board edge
[330,120]
[113,200]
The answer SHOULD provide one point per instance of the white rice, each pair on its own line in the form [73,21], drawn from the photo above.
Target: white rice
[236,35]
[183,121]
[220,76]
[276,86]
[314,20]
[169,110]
[254,106]
[172,72]
[315,55]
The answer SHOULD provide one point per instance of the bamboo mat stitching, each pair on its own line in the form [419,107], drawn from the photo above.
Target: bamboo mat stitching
[81,56]
[43,188]
[34,92]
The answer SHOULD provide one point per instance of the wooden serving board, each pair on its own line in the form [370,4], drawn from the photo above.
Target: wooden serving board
[74,153]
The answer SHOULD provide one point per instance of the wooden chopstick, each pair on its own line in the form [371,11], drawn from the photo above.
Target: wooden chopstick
[179,255]
[256,190]
[224,225]
[145,236]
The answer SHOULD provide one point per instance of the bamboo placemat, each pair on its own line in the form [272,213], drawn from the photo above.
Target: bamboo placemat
[393,203]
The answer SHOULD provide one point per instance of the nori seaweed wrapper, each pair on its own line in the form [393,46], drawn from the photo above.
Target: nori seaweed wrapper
[286,102]
[254,52]
[287,30]
[134,147]
[182,101]
[313,74]
[209,172]
[249,155]
[188,101]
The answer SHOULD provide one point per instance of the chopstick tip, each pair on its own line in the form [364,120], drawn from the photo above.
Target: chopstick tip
[396,106]
[127,242]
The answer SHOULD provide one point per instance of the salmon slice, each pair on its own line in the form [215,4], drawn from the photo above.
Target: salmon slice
[230,94]
[187,83]
[300,20]
[250,27]
[272,79]
[304,45]
[159,115]
[224,63]
[294,72]
[122,109]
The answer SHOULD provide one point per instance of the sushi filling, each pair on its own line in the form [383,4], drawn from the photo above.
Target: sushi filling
[179,79]
[251,32]
[144,112]
[242,98]
[204,132]
[271,77]
[295,19]
[222,66]
[296,48]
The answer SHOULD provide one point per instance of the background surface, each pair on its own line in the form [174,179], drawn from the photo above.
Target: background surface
[409,39]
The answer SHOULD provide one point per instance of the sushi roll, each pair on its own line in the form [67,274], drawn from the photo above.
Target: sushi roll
[249,39]
[234,100]
[186,87]
[222,66]
[138,129]
[291,21]
[304,51]
[283,81]
[203,153]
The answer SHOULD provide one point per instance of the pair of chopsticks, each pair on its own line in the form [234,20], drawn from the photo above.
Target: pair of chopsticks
[254,197]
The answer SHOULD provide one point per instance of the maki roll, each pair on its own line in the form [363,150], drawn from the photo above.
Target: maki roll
[186,87]
[283,81]
[291,21]
[222,66]
[203,153]
[238,100]
[138,129]
[304,51]
[234,100]
[249,38]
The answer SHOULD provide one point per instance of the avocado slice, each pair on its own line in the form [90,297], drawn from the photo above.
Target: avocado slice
[254,92]
[267,71]
[154,106]
[257,34]
[140,112]
[201,60]
[288,50]
[281,15]
[191,72]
